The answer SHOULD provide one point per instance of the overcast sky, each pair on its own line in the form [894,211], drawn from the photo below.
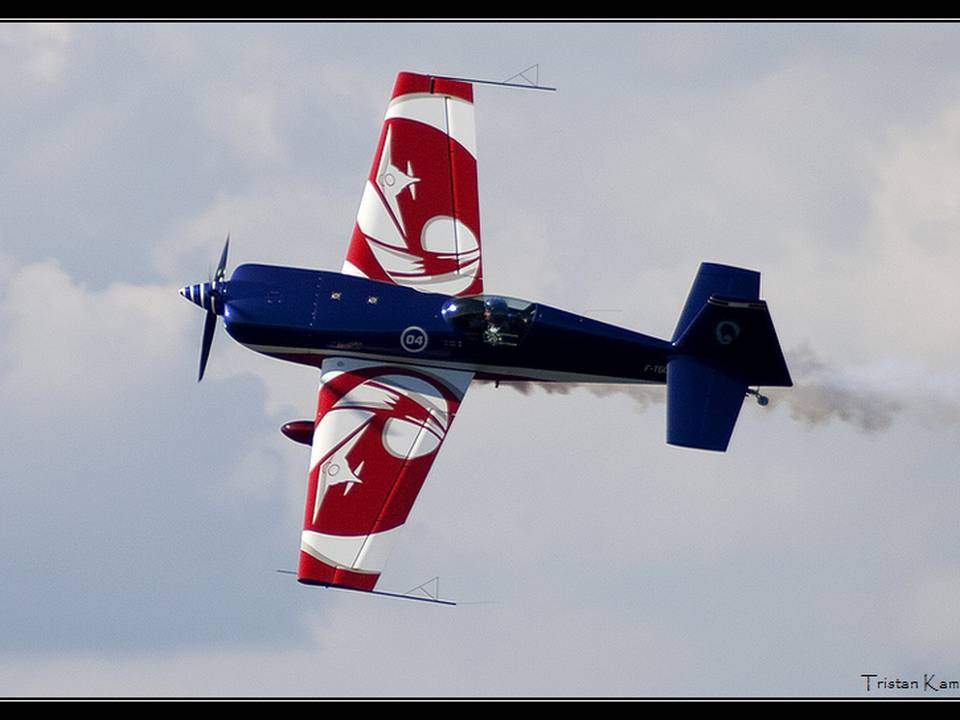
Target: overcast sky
[142,516]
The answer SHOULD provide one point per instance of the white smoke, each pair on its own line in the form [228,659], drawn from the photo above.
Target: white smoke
[821,393]
[643,395]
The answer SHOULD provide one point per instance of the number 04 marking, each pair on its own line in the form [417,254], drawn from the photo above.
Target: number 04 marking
[413,339]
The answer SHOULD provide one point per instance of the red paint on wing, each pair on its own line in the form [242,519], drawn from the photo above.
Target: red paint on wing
[446,187]
[314,572]
[389,487]
[408,83]
[456,88]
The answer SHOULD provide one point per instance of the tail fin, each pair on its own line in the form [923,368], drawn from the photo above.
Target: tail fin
[724,342]
[722,280]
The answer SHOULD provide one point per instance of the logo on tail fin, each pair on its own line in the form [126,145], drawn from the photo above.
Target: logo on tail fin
[726,332]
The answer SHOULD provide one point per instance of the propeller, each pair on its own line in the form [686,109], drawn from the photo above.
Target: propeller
[209,326]
[207,296]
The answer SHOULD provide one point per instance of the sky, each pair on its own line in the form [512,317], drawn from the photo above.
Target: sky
[143,516]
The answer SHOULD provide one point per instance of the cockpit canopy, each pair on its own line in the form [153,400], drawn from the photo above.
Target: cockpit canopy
[492,319]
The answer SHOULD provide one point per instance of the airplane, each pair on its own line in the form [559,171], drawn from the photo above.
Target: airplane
[404,328]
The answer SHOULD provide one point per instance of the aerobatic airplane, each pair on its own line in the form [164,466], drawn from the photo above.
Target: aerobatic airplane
[404,328]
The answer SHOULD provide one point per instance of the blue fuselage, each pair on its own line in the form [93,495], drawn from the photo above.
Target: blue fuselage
[306,315]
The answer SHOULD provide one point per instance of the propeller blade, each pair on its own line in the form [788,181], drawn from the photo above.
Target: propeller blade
[222,265]
[209,325]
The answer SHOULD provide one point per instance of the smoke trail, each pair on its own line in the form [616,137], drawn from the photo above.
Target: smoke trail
[820,394]
[642,395]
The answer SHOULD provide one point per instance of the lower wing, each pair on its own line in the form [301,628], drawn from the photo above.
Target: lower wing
[377,432]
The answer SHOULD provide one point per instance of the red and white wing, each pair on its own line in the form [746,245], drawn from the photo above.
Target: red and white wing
[419,219]
[379,426]
[378,429]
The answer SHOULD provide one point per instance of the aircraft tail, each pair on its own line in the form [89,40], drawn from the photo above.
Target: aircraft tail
[724,342]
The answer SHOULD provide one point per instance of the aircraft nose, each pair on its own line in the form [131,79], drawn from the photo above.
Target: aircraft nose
[204,295]
[192,293]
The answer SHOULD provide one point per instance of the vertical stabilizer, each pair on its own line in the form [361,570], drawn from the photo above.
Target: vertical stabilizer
[724,342]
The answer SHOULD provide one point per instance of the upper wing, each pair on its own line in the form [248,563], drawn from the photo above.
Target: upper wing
[378,429]
[419,219]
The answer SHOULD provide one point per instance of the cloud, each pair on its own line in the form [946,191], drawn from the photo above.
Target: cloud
[34,55]
[420,654]
[63,339]
[364,90]
[910,271]
[296,222]
[246,117]
[931,618]
[804,171]
[917,199]
[123,481]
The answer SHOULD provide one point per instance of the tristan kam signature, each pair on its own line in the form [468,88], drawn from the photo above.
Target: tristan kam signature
[927,683]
